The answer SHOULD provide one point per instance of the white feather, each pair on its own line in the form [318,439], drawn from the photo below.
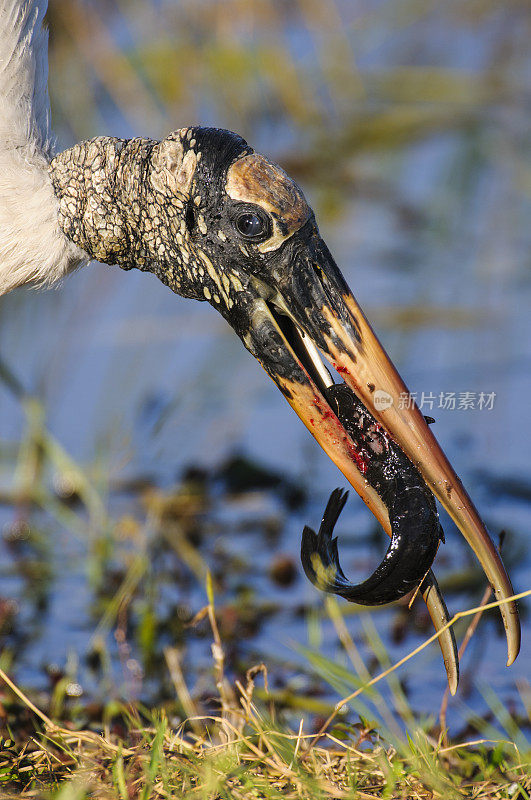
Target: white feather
[33,248]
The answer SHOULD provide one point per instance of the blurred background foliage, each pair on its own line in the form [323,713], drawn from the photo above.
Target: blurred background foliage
[316,83]
[407,124]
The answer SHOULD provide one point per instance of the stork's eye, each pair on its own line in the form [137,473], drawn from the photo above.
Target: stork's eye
[251,225]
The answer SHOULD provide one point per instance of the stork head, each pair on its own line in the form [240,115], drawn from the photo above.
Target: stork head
[218,222]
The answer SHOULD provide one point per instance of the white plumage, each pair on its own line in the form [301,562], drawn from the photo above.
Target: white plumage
[33,248]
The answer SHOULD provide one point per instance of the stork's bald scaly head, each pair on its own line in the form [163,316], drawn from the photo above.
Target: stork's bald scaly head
[238,208]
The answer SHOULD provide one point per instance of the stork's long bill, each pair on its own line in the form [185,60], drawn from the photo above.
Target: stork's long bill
[216,221]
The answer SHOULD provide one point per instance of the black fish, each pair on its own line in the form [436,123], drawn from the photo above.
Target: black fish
[416,531]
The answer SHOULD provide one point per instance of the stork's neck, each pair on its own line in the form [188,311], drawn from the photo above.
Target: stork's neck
[124,202]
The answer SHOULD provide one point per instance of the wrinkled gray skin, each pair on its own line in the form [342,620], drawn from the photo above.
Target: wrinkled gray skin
[170,208]
[140,203]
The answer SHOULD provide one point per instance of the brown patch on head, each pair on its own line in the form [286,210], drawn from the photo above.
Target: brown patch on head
[254,179]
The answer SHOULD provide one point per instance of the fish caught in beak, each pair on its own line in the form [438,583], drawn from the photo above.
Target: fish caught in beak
[415,527]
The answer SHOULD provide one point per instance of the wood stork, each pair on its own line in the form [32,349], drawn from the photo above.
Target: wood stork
[215,221]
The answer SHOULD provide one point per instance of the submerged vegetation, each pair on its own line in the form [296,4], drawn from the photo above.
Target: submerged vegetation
[154,626]
[242,748]
[227,725]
